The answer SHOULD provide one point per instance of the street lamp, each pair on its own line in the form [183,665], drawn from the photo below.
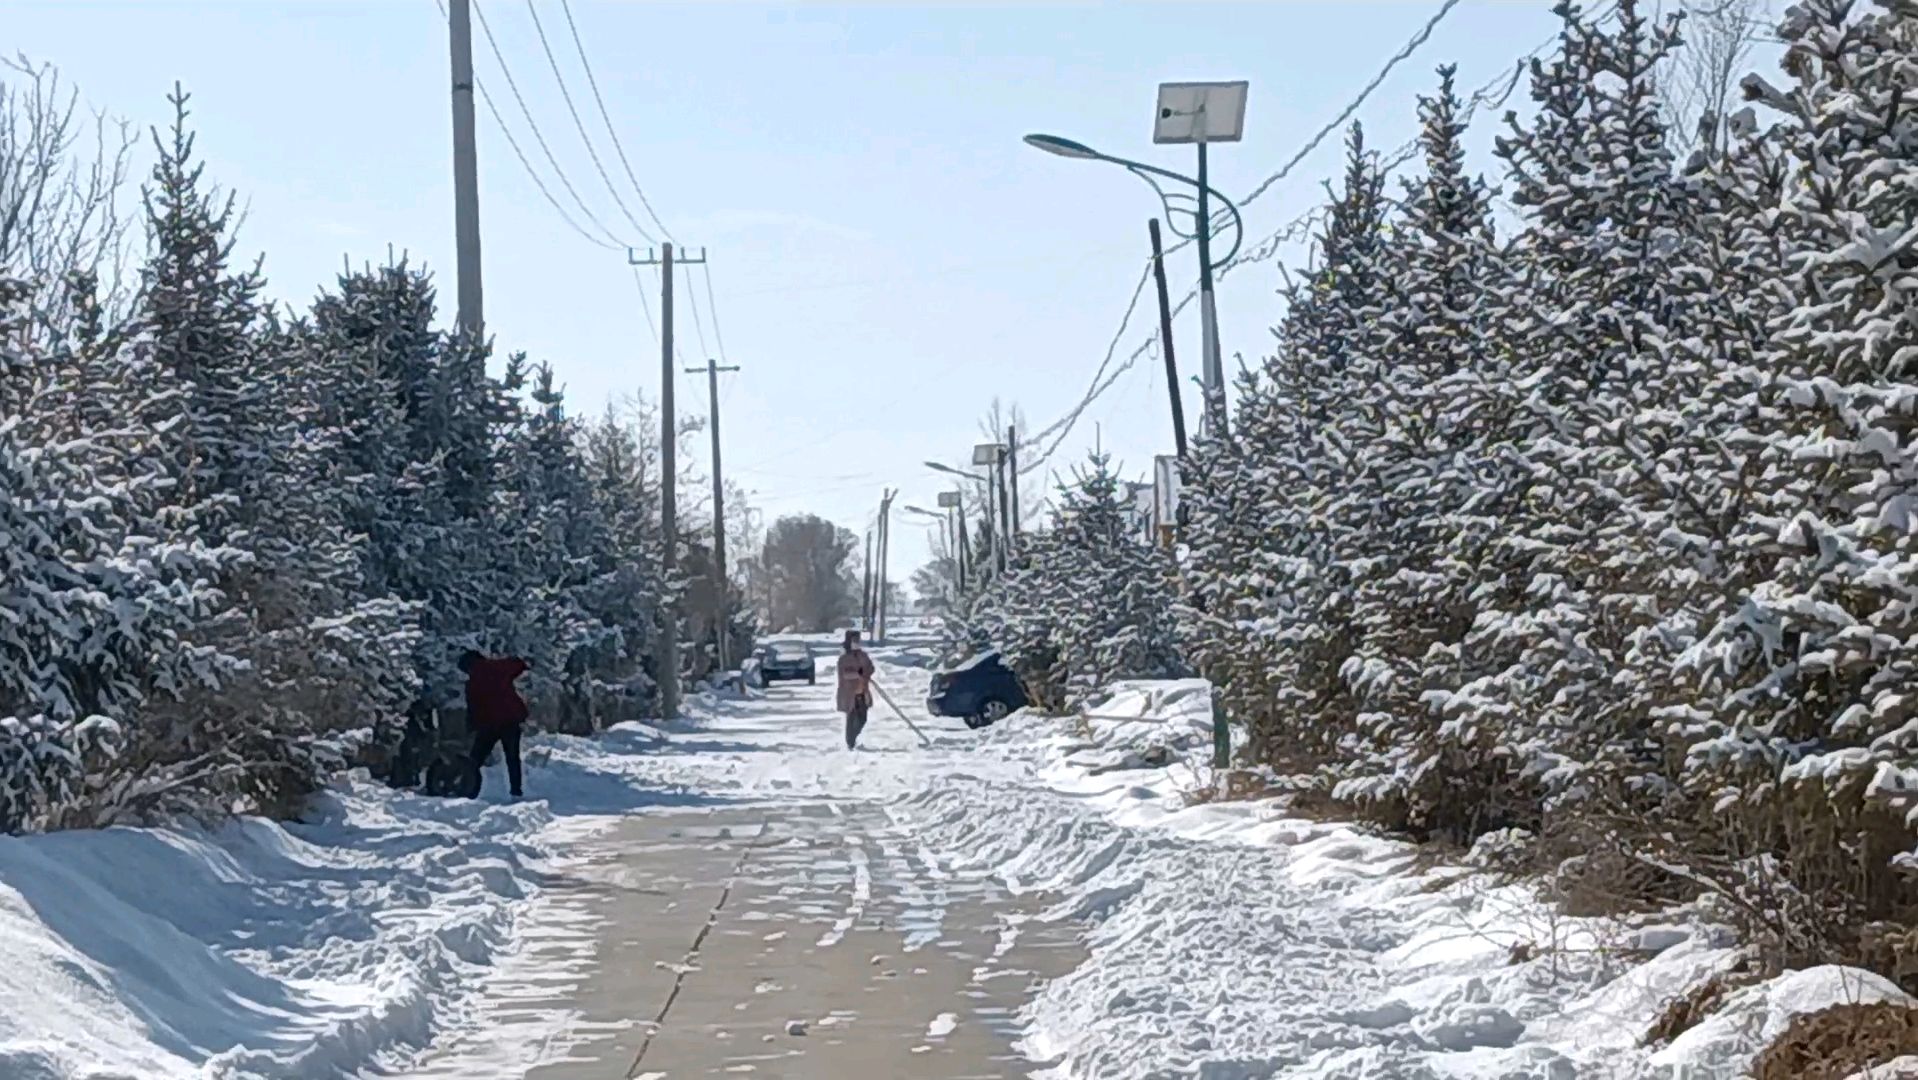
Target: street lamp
[944,468]
[992,458]
[945,534]
[953,501]
[992,546]
[1199,113]
[944,520]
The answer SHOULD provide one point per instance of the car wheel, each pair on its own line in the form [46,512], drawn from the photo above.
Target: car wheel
[812,680]
[976,722]
[992,712]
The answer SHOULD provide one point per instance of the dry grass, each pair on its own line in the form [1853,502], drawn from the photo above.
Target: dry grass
[1687,1010]
[1840,1041]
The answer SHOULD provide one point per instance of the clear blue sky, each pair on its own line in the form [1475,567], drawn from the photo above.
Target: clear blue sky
[887,255]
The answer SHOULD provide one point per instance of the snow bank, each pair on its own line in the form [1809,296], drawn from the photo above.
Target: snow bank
[1729,1041]
[319,948]
[1231,940]
[258,948]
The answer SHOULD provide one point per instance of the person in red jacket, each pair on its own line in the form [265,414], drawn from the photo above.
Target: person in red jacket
[494,713]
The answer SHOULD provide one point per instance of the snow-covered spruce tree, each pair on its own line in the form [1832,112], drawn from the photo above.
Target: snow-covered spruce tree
[1595,327]
[333,653]
[1222,588]
[549,532]
[425,423]
[1433,469]
[280,681]
[202,391]
[622,474]
[1808,740]
[1283,520]
[95,596]
[1085,602]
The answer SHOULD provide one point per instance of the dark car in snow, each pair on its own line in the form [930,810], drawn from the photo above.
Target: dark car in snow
[981,691]
[787,661]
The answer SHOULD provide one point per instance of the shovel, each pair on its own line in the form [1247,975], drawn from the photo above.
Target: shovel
[896,711]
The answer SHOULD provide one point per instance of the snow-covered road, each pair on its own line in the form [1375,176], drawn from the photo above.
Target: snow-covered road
[1219,941]
[742,895]
[769,919]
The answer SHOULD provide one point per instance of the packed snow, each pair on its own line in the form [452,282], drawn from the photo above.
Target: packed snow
[1224,940]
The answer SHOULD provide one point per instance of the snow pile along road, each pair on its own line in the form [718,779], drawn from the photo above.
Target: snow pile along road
[318,948]
[1235,940]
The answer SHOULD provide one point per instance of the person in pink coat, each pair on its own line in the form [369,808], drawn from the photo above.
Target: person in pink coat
[855,688]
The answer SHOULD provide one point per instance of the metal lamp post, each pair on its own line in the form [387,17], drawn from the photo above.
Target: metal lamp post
[992,543]
[1198,113]
[944,521]
[952,501]
[992,458]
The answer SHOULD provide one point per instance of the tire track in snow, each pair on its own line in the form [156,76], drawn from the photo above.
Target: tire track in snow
[861,892]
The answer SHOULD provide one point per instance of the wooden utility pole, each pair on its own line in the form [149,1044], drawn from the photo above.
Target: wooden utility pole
[1165,340]
[721,624]
[669,480]
[1012,476]
[1005,512]
[466,231]
[965,543]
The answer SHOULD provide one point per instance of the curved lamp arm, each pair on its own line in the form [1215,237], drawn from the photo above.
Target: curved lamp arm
[1063,147]
[1146,172]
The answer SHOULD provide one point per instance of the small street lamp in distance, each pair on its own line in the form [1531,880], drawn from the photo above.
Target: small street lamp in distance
[986,496]
[944,522]
[992,458]
[954,502]
[939,466]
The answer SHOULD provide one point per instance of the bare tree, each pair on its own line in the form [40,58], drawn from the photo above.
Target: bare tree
[1702,78]
[813,565]
[61,177]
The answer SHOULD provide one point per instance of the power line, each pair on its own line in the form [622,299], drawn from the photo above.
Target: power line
[1424,34]
[712,308]
[692,301]
[567,7]
[645,304]
[531,173]
[1063,426]
[1495,92]
[579,125]
[513,85]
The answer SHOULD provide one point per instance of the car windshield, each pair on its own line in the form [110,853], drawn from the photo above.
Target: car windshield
[981,660]
[787,650]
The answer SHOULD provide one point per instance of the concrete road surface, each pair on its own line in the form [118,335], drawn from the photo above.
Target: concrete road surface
[798,938]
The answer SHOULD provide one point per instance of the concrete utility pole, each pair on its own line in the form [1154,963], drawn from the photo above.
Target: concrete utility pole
[885,536]
[720,622]
[865,590]
[466,230]
[669,478]
[1165,340]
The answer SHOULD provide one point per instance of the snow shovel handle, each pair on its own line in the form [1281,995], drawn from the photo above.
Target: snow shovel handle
[896,710]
